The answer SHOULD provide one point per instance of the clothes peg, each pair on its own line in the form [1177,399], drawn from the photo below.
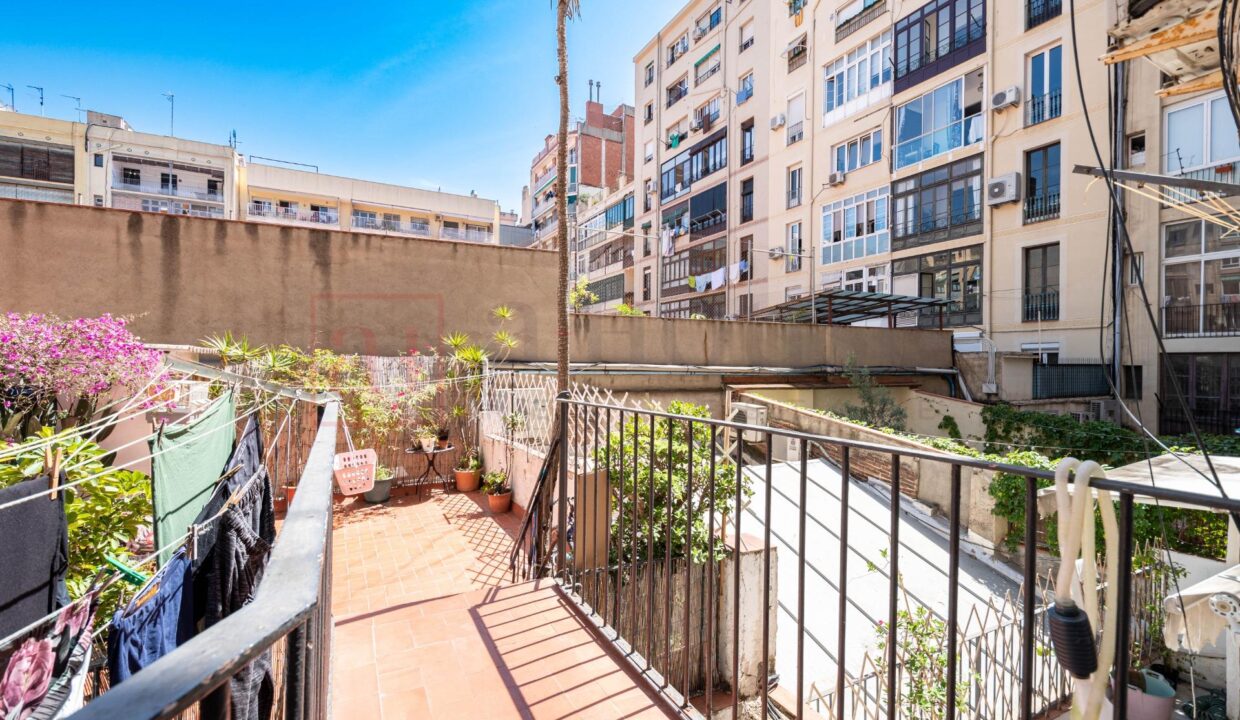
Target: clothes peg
[54,477]
[127,573]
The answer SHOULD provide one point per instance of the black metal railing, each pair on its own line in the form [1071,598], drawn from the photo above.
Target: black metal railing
[1211,418]
[643,524]
[290,616]
[1041,108]
[860,20]
[1041,306]
[746,208]
[1044,206]
[1210,320]
[1039,11]
[1070,381]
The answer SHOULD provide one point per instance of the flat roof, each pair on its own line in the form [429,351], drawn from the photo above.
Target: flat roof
[842,307]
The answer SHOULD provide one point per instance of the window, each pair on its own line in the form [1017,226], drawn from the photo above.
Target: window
[795,6]
[36,161]
[706,115]
[857,80]
[214,189]
[747,142]
[859,152]
[1039,11]
[368,219]
[1041,298]
[1211,387]
[792,261]
[676,178]
[794,187]
[708,22]
[856,15]
[676,91]
[747,200]
[940,204]
[131,176]
[798,53]
[648,193]
[746,36]
[1045,86]
[646,285]
[168,182]
[745,90]
[677,49]
[649,113]
[708,212]
[649,153]
[1200,134]
[745,257]
[699,260]
[856,226]
[1136,268]
[706,159]
[649,73]
[793,292]
[1201,280]
[944,119]
[1136,150]
[391,221]
[744,305]
[706,66]
[952,275]
[870,279]
[936,37]
[98,159]
[1042,184]
[607,289]
[796,119]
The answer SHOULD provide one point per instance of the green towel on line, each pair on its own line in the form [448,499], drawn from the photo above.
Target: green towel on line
[183,477]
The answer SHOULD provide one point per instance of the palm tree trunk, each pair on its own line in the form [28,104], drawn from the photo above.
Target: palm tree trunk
[561,198]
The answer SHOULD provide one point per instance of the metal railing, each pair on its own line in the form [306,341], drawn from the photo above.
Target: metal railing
[1210,418]
[796,132]
[1070,381]
[1040,306]
[1041,108]
[321,217]
[1041,207]
[794,198]
[1039,11]
[634,510]
[167,189]
[860,20]
[1209,320]
[289,617]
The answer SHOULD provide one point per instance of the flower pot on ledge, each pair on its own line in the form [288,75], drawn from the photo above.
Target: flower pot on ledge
[500,503]
[468,480]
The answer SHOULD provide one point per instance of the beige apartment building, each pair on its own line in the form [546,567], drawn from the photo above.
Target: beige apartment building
[602,252]
[106,163]
[926,148]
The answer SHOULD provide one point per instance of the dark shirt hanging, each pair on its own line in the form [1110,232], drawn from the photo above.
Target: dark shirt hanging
[34,554]
[246,459]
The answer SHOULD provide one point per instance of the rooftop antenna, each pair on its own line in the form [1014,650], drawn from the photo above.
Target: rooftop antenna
[232,139]
[40,90]
[77,104]
[12,102]
[172,112]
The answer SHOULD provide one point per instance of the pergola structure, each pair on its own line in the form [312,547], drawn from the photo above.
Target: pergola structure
[844,307]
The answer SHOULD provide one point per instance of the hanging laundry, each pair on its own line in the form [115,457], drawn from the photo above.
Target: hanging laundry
[668,245]
[186,464]
[155,622]
[230,576]
[734,272]
[45,677]
[703,283]
[744,266]
[245,462]
[718,278]
[34,555]
[692,282]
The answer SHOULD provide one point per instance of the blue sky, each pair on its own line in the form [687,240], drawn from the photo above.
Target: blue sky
[457,95]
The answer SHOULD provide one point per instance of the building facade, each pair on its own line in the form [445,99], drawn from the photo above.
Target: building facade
[106,163]
[600,159]
[602,252]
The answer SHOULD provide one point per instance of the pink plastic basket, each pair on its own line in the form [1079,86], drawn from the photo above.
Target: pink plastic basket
[355,471]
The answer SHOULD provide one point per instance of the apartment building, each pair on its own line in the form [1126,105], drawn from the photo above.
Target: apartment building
[106,163]
[600,159]
[923,148]
[603,249]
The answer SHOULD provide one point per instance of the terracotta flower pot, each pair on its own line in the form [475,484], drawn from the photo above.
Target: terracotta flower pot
[500,503]
[468,480]
[289,492]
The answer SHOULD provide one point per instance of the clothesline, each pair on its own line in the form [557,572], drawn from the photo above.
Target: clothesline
[110,470]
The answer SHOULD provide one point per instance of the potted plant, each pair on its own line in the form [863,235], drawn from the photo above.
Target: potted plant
[499,494]
[382,491]
[468,472]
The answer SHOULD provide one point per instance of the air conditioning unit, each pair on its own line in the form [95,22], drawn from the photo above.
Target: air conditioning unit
[778,121]
[750,414]
[835,178]
[1005,98]
[699,33]
[1105,410]
[1003,189]
[777,252]
[785,449]
[695,126]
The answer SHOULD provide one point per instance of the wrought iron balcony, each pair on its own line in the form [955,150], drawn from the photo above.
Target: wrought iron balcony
[1208,320]
[1042,207]
[1039,11]
[1041,108]
[1039,306]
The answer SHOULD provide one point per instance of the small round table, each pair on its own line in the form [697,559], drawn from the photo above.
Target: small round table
[431,456]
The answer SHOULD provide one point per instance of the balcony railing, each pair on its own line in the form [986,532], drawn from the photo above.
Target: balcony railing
[746,208]
[1209,320]
[1041,306]
[631,560]
[1041,207]
[1069,381]
[796,132]
[1209,419]
[860,20]
[674,96]
[746,44]
[1039,11]
[794,198]
[170,190]
[1041,108]
[322,217]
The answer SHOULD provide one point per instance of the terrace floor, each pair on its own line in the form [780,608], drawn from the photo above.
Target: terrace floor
[428,626]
